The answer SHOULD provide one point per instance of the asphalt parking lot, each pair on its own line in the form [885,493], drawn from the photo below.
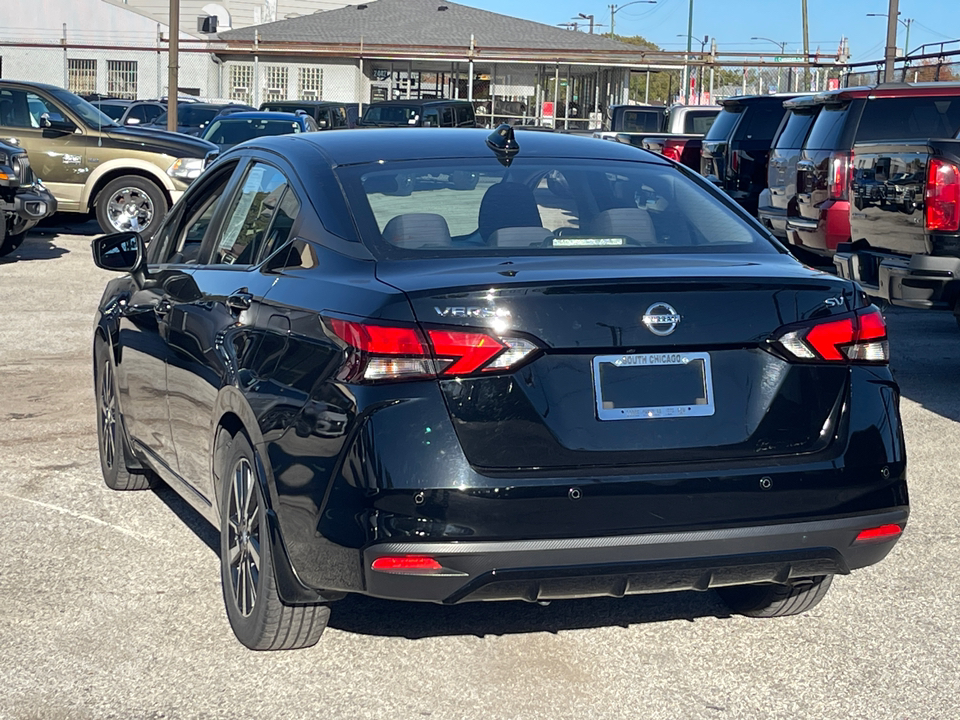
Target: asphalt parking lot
[110,603]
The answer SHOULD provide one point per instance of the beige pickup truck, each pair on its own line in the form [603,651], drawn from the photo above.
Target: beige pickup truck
[127,176]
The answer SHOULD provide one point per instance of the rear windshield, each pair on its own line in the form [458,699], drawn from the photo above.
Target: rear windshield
[698,122]
[642,121]
[114,112]
[760,121]
[190,115]
[392,115]
[231,131]
[723,125]
[909,118]
[827,128]
[540,206]
[796,129]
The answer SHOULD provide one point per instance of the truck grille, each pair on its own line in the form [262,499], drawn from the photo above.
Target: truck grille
[21,166]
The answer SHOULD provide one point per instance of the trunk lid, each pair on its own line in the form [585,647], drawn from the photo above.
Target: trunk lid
[557,410]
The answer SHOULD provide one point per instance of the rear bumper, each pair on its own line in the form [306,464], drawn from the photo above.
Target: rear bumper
[773,218]
[535,570]
[924,282]
[823,234]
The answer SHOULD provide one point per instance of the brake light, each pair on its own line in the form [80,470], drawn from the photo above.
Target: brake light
[841,176]
[386,353]
[673,149]
[878,534]
[942,196]
[860,338]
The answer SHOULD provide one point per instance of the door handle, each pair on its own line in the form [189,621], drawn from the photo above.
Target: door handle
[240,300]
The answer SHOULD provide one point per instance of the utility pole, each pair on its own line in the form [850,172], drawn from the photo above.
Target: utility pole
[587,17]
[890,52]
[686,58]
[173,75]
[806,47]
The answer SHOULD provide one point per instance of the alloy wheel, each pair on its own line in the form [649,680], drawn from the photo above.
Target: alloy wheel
[108,415]
[244,530]
[130,209]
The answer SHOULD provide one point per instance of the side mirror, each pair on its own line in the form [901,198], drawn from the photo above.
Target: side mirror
[323,124]
[120,252]
[56,122]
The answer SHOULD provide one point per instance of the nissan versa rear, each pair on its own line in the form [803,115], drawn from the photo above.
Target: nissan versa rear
[453,366]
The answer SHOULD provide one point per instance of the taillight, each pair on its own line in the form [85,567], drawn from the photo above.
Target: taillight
[841,176]
[942,196]
[382,353]
[858,338]
[673,149]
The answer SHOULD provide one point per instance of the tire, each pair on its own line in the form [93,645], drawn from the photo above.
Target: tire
[767,601]
[131,203]
[10,241]
[110,433]
[257,616]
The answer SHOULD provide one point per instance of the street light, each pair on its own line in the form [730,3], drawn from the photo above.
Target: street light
[906,23]
[587,17]
[703,43]
[783,51]
[614,9]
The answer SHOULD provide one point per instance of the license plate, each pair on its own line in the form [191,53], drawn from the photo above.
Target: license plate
[653,385]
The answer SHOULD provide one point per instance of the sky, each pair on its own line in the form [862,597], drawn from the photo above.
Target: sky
[734,22]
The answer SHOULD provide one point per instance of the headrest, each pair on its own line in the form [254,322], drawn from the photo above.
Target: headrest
[417,230]
[631,222]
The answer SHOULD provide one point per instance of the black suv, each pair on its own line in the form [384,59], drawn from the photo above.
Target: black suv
[737,146]
[420,113]
[23,200]
[779,199]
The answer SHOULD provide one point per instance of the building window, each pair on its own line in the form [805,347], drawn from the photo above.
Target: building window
[311,84]
[82,76]
[276,83]
[122,79]
[241,83]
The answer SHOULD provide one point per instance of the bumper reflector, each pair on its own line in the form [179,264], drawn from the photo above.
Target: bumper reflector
[407,564]
[879,534]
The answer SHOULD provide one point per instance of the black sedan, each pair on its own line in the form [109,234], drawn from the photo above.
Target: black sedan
[452,366]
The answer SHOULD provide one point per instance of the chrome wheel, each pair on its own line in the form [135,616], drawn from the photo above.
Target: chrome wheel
[108,416]
[130,209]
[243,541]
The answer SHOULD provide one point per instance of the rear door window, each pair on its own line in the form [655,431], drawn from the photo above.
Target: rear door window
[796,128]
[827,128]
[760,122]
[909,118]
[465,116]
[246,225]
[723,126]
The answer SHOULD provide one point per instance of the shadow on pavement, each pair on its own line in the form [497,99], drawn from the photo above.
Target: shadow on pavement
[35,247]
[388,618]
[926,366]
[414,621]
[189,517]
